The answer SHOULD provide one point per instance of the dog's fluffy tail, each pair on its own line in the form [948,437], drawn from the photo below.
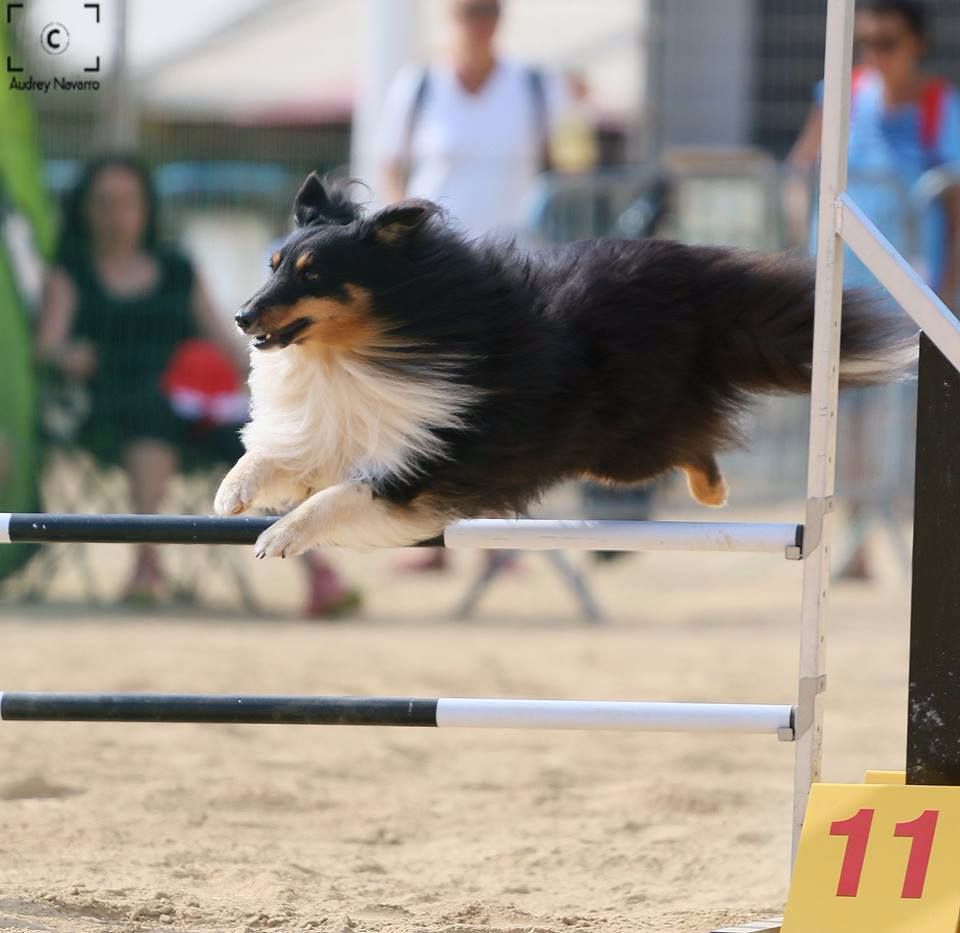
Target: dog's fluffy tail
[760,324]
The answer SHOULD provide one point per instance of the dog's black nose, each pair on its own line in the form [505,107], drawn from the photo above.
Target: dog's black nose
[245,318]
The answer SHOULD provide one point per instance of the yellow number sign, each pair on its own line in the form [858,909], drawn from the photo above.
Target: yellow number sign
[877,858]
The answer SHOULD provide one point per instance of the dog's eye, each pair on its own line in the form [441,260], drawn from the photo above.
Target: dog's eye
[311,275]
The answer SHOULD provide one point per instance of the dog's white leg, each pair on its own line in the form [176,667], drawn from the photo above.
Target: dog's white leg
[257,480]
[348,515]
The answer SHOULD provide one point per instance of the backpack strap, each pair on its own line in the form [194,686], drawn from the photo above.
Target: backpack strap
[541,116]
[932,104]
[413,119]
[933,99]
[860,77]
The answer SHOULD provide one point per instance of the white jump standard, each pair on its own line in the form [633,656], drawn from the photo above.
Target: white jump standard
[463,713]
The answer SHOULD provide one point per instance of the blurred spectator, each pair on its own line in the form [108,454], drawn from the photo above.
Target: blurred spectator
[118,309]
[902,123]
[472,131]
[573,146]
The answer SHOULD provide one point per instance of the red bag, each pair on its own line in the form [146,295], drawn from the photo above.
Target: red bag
[203,385]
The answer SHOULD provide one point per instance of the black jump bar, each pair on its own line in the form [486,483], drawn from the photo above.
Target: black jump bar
[42,528]
[200,708]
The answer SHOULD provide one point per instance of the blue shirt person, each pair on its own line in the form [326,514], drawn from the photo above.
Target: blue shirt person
[902,123]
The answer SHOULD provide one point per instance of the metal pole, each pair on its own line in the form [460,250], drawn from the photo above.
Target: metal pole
[391,38]
[462,713]
[823,406]
[896,275]
[934,692]
[119,126]
[933,724]
[518,534]
[645,136]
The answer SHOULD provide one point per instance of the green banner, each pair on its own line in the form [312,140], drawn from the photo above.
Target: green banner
[23,206]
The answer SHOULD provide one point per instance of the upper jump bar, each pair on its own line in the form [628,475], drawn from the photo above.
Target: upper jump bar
[765,719]
[517,534]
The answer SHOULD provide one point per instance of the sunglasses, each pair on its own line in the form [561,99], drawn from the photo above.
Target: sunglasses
[881,45]
[480,10]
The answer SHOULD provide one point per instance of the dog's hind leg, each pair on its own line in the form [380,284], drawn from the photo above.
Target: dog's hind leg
[349,515]
[705,481]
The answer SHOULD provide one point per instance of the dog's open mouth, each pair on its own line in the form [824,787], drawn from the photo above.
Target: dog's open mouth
[283,337]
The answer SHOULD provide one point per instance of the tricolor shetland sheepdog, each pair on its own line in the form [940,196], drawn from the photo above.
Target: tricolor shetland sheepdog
[404,376]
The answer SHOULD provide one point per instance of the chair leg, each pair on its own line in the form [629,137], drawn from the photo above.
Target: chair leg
[573,578]
[901,546]
[475,591]
[577,584]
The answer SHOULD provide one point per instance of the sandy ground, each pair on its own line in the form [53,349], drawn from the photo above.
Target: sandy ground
[202,828]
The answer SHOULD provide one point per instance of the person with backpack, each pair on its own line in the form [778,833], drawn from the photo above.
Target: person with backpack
[902,123]
[471,131]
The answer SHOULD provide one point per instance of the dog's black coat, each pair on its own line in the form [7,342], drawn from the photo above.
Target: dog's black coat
[612,359]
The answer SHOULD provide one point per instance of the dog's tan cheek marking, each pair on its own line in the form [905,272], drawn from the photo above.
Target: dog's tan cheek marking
[339,324]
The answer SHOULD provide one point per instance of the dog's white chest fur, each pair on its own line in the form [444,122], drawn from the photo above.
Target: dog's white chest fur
[326,418]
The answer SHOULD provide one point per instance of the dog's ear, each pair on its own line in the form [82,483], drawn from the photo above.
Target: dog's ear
[398,222]
[312,203]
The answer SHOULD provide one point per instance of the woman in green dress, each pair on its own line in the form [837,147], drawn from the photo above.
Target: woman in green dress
[117,304]
[118,307]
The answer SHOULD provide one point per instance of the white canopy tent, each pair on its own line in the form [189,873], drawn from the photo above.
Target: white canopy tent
[316,60]
[313,54]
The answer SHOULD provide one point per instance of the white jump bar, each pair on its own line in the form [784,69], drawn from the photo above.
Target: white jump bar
[608,714]
[529,534]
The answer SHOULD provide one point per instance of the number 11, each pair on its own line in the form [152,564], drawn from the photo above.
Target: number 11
[857,830]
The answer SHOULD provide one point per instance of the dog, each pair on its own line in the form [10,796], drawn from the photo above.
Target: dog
[404,377]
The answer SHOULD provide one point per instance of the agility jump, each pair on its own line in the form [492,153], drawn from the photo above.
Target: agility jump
[932,737]
[527,534]
[502,534]
[444,713]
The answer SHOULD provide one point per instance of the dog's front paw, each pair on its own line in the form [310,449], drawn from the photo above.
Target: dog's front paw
[232,498]
[241,486]
[287,537]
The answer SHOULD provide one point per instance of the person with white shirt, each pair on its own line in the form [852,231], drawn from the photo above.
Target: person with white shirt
[470,132]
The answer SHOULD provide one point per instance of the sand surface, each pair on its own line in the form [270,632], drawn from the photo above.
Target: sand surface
[223,828]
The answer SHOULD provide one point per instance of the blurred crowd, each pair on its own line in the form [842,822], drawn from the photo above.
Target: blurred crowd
[136,365]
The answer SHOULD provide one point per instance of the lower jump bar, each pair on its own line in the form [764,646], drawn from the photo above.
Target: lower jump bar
[519,534]
[399,711]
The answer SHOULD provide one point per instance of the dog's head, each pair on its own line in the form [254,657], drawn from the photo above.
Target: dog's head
[319,292]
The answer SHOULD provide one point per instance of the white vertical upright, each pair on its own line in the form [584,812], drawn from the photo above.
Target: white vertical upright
[823,405]
[390,38]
